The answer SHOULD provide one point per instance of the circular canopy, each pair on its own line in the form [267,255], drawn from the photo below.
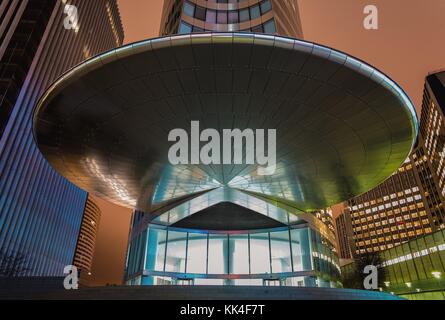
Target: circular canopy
[342,127]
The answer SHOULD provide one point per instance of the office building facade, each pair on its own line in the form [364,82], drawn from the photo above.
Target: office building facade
[40,211]
[413,270]
[261,16]
[86,242]
[343,234]
[410,203]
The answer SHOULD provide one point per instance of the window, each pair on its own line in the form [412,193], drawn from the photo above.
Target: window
[255,12]
[239,253]
[217,254]
[222,17]
[184,28]
[197,29]
[200,13]
[244,15]
[176,249]
[189,9]
[258,29]
[280,251]
[233,17]
[211,16]
[269,27]
[265,6]
[259,253]
[155,249]
[197,253]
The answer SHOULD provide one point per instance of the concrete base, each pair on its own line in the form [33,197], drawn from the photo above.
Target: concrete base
[209,293]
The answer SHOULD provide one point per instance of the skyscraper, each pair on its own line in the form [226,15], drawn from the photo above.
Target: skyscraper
[263,16]
[41,212]
[83,257]
[411,202]
[432,129]
[344,235]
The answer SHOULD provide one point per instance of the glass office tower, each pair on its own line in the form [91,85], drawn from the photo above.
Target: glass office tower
[40,211]
[259,16]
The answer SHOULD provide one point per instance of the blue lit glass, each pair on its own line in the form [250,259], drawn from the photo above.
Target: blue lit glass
[184,28]
[259,253]
[176,250]
[189,9]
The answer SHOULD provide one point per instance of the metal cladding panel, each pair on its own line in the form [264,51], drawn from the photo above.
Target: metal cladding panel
[342,126]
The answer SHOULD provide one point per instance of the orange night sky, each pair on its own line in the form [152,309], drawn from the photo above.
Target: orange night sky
[407,46]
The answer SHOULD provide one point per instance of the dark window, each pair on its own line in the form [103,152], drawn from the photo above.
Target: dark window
[222,17]
[197,29]
[244,15]
[265,6]
[211,16]
[200,13]
[233,16]
[255,12]
[258,29]
[269,26]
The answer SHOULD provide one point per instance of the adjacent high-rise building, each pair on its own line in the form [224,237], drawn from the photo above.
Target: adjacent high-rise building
[40,211]
[83,257]
[411,202]
[432,129]
[263,16]
[344,235]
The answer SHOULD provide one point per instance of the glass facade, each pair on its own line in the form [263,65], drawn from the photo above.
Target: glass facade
[294,256]
[40,211]
[259,16]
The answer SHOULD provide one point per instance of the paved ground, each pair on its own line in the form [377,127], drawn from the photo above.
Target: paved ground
[203,293]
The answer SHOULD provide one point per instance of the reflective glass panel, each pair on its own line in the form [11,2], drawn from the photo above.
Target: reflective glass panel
[269,27]
[265,6]
[197,253]
[244,15]
[155,249]
[217,263]
[176,250]
[239,254]
[259,253]
[280,250]
[255,12]
[184,28]
[211,16]
[189,9]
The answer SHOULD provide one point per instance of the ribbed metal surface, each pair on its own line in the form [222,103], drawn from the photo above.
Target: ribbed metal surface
[342,126]
[40,212]
[83,257]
